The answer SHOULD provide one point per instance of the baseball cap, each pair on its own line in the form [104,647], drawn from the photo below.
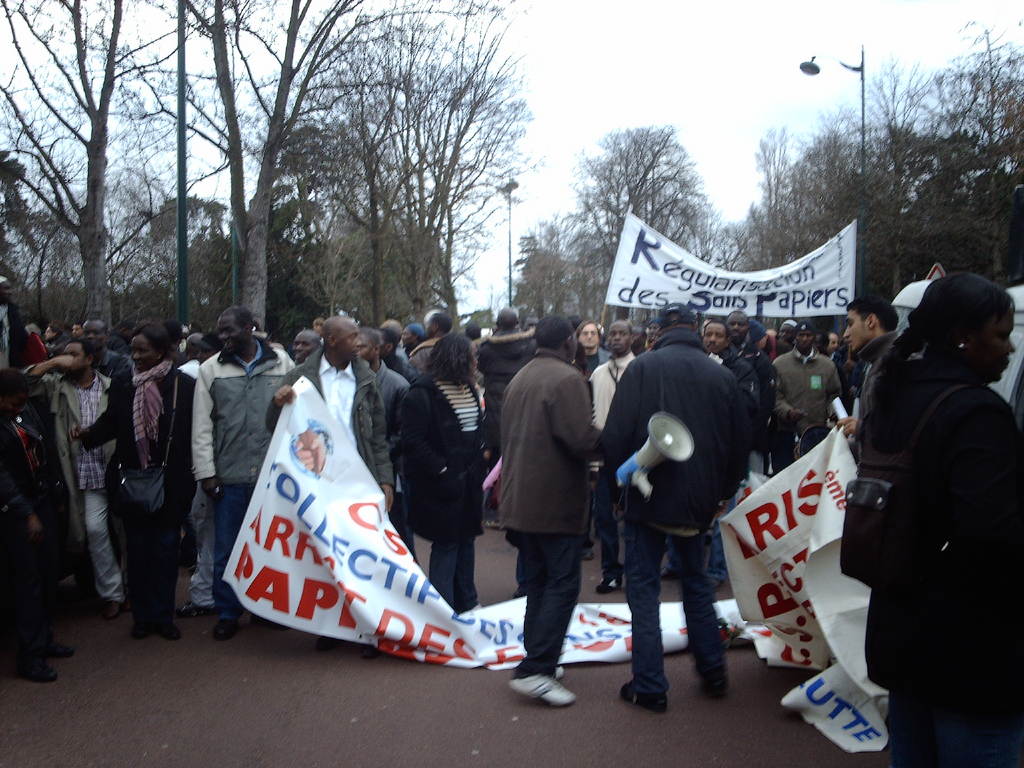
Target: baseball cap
[788,323]
[804,326]
[674,314]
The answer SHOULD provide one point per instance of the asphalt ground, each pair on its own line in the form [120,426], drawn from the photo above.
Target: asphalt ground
[267,698]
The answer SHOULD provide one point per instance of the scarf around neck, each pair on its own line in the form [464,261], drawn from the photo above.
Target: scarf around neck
[147,405]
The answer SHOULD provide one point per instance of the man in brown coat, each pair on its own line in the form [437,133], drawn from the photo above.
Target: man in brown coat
[547,439]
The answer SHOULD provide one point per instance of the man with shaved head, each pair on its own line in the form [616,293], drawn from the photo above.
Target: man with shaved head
[348,386]
[501,356]
[306,342]
[113,365]
[229,438]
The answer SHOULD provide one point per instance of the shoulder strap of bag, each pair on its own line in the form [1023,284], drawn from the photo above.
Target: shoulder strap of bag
[170,422]
[930,411]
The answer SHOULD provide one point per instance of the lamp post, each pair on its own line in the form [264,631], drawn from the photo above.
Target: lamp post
[507,191]
[811,68]
[182,208]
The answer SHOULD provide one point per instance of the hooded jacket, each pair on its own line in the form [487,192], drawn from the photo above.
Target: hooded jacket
[500,357]
[968,474]
[678,377]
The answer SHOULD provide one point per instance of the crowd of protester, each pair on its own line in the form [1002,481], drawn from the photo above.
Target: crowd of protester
[135,450]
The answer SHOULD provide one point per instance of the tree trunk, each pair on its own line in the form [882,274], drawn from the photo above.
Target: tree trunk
[92,229]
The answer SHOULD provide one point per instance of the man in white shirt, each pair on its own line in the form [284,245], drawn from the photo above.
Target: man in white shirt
[604,382]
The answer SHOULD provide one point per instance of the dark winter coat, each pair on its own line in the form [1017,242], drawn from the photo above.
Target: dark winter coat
[954,638]
[762,365]
[21,490]
[444,466]
[678,377]
[117,423]
[500,357]
[547,441]
[18,336]
[746,377]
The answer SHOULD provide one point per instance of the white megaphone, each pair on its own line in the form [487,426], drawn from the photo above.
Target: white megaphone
[667,438]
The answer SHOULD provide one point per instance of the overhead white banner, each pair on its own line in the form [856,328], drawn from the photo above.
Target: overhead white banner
[318,553]
[651,271]
[782,549]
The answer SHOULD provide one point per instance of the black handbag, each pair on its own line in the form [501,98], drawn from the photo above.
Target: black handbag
[140,492]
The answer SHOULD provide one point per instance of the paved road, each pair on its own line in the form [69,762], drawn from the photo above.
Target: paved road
[266,698]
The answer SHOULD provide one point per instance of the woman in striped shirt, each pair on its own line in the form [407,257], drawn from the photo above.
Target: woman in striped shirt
[442,445]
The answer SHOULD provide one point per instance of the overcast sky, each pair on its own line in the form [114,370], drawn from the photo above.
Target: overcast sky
[722,73]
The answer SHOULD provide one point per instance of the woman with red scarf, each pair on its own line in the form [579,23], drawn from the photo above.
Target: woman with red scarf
[151,420]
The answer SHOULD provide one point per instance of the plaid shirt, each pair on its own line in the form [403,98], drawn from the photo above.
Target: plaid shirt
[90,462]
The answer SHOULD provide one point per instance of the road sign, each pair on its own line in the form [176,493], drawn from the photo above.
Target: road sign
[936,272]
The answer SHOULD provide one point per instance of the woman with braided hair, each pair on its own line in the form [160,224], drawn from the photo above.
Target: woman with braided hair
[954,701]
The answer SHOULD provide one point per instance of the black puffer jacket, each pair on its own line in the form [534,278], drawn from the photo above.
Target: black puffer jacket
[765,372]
[677,376]
[951,637]
[499,359]
[746,377]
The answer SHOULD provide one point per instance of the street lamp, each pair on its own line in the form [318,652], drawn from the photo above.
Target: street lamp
[811,68]
[507,191]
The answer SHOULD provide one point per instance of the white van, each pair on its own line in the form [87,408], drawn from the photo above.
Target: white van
[1011,385]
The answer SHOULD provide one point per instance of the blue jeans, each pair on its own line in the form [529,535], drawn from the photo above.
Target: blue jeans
[607,528]
[922,734]
[227,521]
[451,572]
[645,546]
[551,578]
[717,570]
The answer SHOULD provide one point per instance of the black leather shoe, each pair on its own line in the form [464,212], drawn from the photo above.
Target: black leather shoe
[254,619]
[58,651]
[653,702]
[324,643]
[38,671]
[716,686]
[169,631]
[609,584]
[141,630]
[225,629]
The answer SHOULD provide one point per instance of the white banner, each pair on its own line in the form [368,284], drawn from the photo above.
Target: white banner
[782,548]
[317,552]
[651,271]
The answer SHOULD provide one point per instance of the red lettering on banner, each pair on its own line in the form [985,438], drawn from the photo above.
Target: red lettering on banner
[444,658]
[505,657]
[385,622]
[270,584]
[353,511]
[280,530]
[347,619]
[584,620]
[394,543]
[396,649]
[612,619]
[808,490]
[745,548]
[316,594]
[244,567]
[463,649]
[787,502]
[773,602]
[762,520]
[427,642]
[787,655]
[600,645]
[303,545]
[255,524]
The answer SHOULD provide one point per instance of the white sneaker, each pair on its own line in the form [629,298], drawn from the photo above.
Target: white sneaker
[559,672]
[545,688]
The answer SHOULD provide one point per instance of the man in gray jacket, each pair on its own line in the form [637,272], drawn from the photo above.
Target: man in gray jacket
[229,439]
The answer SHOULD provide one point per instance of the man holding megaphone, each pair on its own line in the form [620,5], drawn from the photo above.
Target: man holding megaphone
[678,432]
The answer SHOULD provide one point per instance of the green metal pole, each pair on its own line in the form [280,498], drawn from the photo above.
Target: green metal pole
[182,223]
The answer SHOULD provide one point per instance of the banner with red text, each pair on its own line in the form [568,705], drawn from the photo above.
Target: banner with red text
[317,552]
[782,548]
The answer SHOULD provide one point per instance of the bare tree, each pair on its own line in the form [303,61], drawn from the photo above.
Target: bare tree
[269,64]
[70,58]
